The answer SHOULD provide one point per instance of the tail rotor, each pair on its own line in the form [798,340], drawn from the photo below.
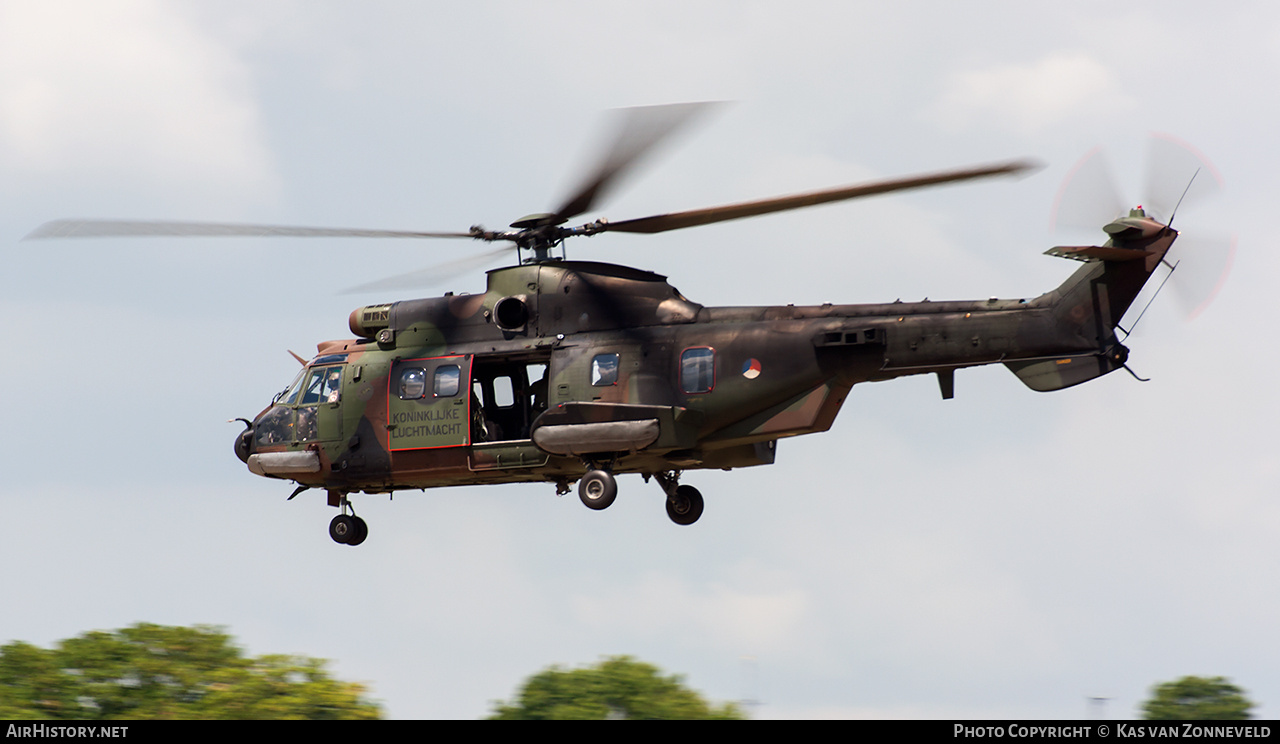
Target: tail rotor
[1179,179]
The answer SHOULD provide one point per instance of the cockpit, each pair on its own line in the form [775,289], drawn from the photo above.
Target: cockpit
[292,416]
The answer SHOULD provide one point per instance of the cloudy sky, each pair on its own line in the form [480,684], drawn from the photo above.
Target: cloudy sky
[1003,554]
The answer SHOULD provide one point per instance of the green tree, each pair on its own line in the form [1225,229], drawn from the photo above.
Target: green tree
[617,687]
[1197,698]
[157,671]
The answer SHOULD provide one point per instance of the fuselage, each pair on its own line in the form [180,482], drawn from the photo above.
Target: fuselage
[563,366]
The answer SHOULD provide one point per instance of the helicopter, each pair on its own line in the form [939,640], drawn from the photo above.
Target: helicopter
[567,371]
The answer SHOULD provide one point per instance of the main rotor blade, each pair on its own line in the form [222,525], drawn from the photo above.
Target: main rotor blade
[431,276]
[692,218]
[141,229]
[640,129]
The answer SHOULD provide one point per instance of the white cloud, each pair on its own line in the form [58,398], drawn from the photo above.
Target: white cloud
[128,89]
[1028,98]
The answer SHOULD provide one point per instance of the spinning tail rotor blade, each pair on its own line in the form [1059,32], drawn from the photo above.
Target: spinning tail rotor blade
[1088,198]
[1178,175]
[1204,262]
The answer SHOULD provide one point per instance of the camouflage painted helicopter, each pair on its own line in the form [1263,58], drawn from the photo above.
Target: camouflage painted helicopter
[567,371]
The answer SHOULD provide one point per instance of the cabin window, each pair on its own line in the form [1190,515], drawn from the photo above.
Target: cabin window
[604,370]
[413,384]
[447,381]
[504,391]
[698,370]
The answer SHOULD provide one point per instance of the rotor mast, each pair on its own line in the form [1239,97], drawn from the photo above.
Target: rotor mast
[540,233]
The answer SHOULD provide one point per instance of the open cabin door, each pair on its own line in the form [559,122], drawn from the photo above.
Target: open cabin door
[508,394]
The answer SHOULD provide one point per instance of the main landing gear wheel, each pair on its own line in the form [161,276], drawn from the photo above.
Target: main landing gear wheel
[685,505]
[598,489]
[348,529]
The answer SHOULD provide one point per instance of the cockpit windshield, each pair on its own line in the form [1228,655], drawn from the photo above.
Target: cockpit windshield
[287,395]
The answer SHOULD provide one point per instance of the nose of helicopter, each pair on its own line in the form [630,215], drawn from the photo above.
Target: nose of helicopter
[244,441]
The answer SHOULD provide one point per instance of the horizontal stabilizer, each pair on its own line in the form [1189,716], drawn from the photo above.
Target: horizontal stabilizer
[1045,375]
[1096,253]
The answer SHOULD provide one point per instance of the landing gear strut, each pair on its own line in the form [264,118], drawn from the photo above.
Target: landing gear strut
[348,529]
[684,503]
[598,489]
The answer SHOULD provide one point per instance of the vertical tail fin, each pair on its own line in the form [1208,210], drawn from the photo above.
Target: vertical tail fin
[1088,306]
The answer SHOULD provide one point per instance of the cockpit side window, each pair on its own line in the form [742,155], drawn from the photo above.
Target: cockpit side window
[331,388]
[323,385]
[311,392]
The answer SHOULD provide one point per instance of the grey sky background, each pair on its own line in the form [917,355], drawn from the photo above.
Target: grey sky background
[1002,554]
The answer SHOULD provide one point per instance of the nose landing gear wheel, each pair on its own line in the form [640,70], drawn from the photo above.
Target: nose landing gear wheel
[685,505]
[342,528]
[598,489]
[362,531]
[348,529]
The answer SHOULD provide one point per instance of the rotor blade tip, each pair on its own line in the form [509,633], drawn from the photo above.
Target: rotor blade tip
[1027,167]
[46,230]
